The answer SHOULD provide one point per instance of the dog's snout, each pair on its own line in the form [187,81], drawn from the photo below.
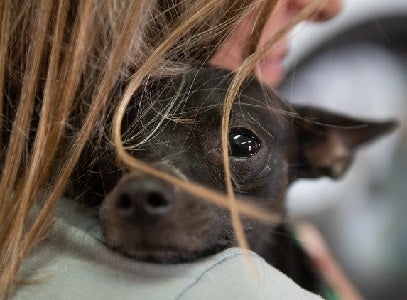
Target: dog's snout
[142,197]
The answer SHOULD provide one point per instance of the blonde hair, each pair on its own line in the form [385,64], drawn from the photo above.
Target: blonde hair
[67,65]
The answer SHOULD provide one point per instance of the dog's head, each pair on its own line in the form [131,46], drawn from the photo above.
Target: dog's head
[177,130]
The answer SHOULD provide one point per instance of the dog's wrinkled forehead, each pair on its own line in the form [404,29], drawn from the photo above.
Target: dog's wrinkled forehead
[210,87]
[192,104]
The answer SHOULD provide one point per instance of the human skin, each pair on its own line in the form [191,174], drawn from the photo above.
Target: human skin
[231,53]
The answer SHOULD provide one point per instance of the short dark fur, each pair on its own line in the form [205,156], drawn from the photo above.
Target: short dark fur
[148,219]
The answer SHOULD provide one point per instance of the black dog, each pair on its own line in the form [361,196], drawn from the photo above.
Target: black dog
[271,145]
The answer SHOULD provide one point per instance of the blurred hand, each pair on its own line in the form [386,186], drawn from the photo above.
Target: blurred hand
[316,247]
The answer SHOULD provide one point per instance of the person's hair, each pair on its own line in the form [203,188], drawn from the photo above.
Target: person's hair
[66,65]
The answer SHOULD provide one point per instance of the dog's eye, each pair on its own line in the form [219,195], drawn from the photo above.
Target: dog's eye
[243,143]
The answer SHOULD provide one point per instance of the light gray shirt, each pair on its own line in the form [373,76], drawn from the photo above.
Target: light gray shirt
[75,264]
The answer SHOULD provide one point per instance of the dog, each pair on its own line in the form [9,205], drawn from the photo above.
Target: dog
[174,125]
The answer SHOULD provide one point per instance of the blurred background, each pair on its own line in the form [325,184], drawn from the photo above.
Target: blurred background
[357,64]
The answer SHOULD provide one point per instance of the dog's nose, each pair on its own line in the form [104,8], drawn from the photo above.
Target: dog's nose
[137,199]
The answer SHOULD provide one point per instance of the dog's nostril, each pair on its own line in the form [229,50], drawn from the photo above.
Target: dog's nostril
[156,203]
[157,200]
[124,202]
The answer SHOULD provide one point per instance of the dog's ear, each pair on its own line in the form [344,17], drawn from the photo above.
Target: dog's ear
[327,141]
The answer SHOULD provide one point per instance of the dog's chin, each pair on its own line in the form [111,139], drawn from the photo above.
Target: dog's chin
[167,255]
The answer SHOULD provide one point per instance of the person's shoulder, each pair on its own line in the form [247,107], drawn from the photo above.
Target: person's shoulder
[74,264]
[239,274]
